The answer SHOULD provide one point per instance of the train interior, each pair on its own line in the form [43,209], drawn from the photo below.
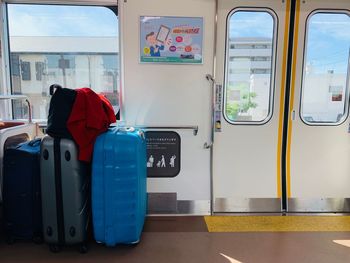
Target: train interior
[245,109]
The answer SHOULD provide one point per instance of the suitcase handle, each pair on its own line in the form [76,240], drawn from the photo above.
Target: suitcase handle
[35,142]
[53,88]
[126,129]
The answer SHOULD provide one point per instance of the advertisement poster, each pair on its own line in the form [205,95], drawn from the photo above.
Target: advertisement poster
[165,39]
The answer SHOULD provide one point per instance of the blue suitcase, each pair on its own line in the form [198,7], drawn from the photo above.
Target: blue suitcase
[22,195]
[119,186]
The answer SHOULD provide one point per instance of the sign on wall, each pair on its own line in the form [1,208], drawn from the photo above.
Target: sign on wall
[165,39]
[163,153]
[218,107]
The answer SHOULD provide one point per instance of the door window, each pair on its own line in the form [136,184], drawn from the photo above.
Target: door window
[249,66]
[326,67]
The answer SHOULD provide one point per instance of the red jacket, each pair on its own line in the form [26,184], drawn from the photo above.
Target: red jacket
[91,115]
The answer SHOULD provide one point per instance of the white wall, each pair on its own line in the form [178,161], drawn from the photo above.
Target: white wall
[171,95]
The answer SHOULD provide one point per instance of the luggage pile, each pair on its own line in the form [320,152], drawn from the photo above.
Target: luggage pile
[51,186]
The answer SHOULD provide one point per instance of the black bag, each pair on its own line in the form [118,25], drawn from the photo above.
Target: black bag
[61,105]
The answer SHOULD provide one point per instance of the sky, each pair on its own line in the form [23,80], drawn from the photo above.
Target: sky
[328,42]
[328,39]
[56,20]
[251,24]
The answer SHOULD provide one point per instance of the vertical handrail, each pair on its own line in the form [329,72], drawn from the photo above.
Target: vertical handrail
[211,143]
[211,78]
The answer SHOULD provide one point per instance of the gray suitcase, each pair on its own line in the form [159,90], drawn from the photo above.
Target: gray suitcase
[65,186]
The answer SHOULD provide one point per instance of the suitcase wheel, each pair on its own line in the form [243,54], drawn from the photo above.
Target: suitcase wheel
[46,154]
[55,248]
[83,248]
[135,243]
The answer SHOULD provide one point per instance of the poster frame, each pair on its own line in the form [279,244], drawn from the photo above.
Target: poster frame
[184,61]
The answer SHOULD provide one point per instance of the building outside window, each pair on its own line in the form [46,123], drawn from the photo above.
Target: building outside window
[73,51]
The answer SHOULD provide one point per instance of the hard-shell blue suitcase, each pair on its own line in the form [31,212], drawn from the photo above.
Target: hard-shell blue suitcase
[22,195]
[119,186]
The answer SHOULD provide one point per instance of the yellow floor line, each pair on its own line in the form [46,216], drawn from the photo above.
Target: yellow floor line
[277,223]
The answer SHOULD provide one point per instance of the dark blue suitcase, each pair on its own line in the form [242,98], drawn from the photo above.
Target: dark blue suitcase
[119,186]
[21,195]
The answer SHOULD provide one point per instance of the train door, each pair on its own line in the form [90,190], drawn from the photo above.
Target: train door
[251,70]
[318,148]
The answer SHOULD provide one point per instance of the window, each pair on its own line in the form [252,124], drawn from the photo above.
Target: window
[39,70]
[249,83]
[25,70]
[240,59]
[260,46]
[326,65]
[260,71]
[63,45]
[15,65]
[52,61]
[260,58]
[240,46]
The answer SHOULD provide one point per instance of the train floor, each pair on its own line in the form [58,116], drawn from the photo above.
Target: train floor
[197,239]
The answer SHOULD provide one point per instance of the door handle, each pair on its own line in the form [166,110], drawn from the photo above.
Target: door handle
[208,145]
[293,115]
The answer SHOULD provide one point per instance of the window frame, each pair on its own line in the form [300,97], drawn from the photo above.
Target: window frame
[273,62]
[347,88]
[5,45]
